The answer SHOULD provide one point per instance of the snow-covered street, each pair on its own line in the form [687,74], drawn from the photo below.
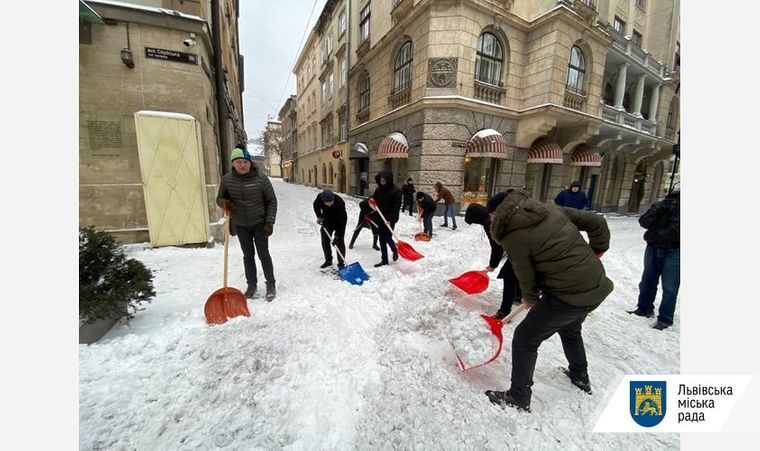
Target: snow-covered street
[329,365]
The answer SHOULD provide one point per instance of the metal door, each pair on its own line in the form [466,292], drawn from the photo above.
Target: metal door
[174,184]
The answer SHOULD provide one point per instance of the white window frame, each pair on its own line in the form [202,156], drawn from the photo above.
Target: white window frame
[343,71]
[330,85]
[364,23]
[342,23]
[615,23]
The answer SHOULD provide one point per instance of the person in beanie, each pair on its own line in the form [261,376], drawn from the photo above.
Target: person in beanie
[407,192]
[426,205]
[478,214]
[662,259]
[562,280]
[331,214]
[367,219]
[247,194]
[448,199]
[572,197]
[388,198]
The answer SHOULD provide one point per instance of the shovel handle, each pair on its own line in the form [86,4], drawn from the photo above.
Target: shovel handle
[513,313]
[373,203]
[330,237]
[226,244]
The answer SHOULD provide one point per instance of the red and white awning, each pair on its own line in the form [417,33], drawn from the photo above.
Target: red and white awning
[487,143]
[585,155]
[393,146]
[545,152]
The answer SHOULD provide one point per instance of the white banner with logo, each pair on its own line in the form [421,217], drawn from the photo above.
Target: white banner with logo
[672,403]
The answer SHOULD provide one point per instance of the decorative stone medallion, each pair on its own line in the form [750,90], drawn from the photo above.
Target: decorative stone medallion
[442,72]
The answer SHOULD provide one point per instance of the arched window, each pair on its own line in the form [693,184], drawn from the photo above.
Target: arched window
[331,174]
[576,70]
[363,91]
[489,60]
[402,74]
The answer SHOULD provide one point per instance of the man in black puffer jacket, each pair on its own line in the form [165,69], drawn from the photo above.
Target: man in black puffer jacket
[426,206]
[331,215]
[388,198]
[247,194]
[662,259]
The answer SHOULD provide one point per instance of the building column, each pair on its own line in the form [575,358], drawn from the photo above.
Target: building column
[620,85]
[639,95]
[654,101]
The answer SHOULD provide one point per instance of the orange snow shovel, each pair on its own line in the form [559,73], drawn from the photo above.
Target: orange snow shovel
[404,249]
[226,302]
[495,325]
[421,236]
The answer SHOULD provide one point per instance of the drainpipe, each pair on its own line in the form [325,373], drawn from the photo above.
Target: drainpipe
[221,103]
[348,94]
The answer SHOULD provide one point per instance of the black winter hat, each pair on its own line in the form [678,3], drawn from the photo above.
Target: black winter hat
[420,195]
[496,200]
[327,196]
[575,183]
[477,214]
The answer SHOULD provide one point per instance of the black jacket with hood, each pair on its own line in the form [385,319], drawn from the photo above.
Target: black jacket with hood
[388,197]
[333,217]
[427,204]
[663,222]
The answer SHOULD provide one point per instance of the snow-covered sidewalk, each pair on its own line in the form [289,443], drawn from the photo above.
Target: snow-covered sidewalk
[329,365]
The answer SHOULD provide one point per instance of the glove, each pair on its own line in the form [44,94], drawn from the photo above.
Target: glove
[268,229]
[227,206]
[489,269]
[335,241]
[599,254]
[320,221]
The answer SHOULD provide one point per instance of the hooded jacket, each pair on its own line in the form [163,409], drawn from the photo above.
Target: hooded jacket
[548,252]
[388,197]
[407,190]
[663,222]
[251,195]
[567,198]
[444,193]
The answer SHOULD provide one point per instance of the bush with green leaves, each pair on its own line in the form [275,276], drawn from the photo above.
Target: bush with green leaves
[110,285]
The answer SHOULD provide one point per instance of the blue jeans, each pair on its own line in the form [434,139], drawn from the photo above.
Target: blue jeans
[449,210]
[665,264]
[427,224]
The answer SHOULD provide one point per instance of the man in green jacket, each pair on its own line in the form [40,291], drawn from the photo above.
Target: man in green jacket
[561,278]
[247,194]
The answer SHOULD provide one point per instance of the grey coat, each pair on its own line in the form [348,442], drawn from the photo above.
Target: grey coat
[251,195]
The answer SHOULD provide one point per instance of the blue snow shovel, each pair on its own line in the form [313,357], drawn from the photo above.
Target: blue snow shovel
[353,273]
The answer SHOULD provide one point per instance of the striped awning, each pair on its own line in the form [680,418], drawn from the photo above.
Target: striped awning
[545,152]
[358,151]
[393,146]
[585,155]
[487,143]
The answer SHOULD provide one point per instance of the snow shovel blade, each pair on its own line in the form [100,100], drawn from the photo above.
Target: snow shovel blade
[353,274]
[421,236]
[495,325]
[407,251]
[225,303]
[472,282]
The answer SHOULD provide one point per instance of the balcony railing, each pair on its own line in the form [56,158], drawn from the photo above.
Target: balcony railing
[488,92]
[586,8]
[575,98]
[400,98]
[629,48]
[400,8]
[611,114]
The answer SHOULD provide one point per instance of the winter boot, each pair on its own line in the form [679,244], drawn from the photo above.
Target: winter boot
[454,227]
[325,265]
[341,265]
[638,312]
[271,292]
[659,325]
[250,292]
[500,315]
[503,399]
[444,225]
[581,382]
[382,263]
[395,255]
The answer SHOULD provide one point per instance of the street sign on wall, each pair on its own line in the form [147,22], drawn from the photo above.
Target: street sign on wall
[171,55]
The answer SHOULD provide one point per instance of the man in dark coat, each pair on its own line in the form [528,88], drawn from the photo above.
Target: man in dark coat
[662,259]
[407,191]
[426,205]
[479,214]
[572,197]
[388,198]
[331,215]
[369,219]
[562,280]
[248,195]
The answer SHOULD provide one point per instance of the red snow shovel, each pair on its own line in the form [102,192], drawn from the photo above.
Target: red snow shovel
[472,282]
[496,326]
[226,302]
[404,249]
[421,236]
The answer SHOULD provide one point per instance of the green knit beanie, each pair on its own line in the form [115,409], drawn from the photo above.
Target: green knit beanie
[239,153]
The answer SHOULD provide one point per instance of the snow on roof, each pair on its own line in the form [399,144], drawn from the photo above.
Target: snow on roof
[398,137]
[486,132]
[166,114]
[170,12]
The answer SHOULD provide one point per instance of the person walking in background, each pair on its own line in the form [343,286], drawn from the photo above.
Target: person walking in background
[331,215]
[572,197]
[478,214]
[407,191]
[388,198]
[247,195]
[426,205]
[562,280]
[448,199]
[662,259]
[367,219]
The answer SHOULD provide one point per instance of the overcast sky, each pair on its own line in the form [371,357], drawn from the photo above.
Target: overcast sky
[271,35]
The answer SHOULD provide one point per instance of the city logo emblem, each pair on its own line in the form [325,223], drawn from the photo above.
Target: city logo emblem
[648,402]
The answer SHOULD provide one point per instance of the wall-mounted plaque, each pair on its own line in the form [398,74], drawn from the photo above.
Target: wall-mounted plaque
[171,55]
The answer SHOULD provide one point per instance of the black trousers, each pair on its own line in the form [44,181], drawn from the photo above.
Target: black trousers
[386,239]
[549,316]
[339,241]
[253,239]
[359,227]
[511,291]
